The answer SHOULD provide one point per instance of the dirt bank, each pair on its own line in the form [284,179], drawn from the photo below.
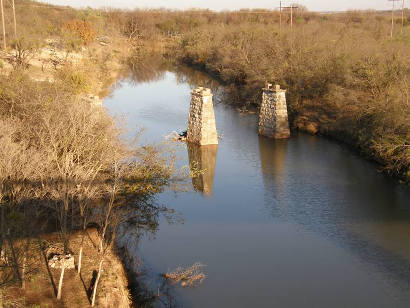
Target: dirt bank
[40,281]
[93,68]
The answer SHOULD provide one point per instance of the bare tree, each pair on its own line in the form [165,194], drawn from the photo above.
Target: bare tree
[108,219]
[80,145]
[64,155]
[23,52]
[85,195]
[17,168]
[89,188]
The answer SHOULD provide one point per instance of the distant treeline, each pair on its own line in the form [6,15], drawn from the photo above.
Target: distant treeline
[36,19]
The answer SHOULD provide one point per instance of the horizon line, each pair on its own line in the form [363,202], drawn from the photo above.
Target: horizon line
[247,10]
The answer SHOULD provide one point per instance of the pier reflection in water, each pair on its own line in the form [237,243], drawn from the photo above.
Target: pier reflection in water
[202,160]
[273,163]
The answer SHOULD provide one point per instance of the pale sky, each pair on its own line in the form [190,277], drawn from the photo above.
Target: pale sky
[312,5]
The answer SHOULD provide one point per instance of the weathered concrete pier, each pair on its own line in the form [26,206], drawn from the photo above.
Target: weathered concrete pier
[273,115]
[201,121]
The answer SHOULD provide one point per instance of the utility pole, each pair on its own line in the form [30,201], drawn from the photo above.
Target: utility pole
[291,13]
[392,17]
[4,25]
[402,16]
[280,16]
[15,22]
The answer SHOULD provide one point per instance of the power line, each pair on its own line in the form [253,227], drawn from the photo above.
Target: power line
[402,16]
[15,22]
[291,13]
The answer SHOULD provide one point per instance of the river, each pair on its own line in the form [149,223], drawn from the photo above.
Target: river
[303,222]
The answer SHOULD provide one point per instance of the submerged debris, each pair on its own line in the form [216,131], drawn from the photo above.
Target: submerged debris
[178,136]
[189,277]
[182,136]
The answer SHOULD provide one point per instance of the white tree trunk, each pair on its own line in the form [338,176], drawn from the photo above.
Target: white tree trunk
[80,257]
[96,282]
[60,283]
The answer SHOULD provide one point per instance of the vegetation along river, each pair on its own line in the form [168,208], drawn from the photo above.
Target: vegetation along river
[298,223]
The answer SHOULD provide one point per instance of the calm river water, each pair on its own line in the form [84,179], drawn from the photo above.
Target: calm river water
[297,223]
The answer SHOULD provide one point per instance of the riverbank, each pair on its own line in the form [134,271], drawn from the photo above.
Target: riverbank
[38,117]
[58,149]
[48,111]
[90,71]
[40,281]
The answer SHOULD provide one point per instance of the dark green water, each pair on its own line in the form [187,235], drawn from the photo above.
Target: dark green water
[297,223]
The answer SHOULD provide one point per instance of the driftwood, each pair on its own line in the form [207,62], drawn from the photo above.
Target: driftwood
[188,277]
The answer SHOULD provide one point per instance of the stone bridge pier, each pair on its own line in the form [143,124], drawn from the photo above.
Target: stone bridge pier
[201,121]
[273,114]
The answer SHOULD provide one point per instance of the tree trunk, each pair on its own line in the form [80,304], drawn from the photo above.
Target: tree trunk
[2,254]
[80,254]
[15,260]
[60,283]
[23,272]
[65,214]
[1,299]
[107,217]
[24,266]
[80,257]
[96,281]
